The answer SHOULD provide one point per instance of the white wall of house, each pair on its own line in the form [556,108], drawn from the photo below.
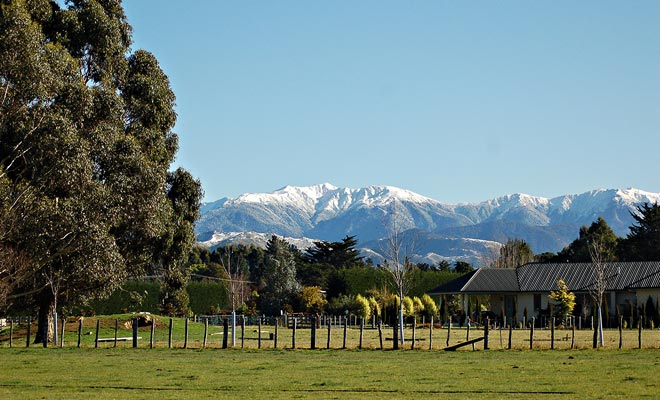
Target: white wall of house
[525,300]
[642,296]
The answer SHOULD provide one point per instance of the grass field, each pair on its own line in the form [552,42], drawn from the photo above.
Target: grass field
[126,373]
[121,373]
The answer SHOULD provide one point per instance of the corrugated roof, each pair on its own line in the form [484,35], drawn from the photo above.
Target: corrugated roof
[537,277]
[454,286]
[494,280]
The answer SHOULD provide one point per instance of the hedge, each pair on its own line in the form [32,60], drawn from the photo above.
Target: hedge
[136,296]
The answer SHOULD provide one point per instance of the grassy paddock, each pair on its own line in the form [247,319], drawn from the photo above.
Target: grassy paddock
[192,374]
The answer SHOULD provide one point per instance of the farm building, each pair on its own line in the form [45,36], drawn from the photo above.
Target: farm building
[526,289]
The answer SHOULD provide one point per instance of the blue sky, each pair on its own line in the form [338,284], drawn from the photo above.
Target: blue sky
[460,101]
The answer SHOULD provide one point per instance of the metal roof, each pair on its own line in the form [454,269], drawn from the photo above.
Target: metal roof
[538,277]
[494,280]
[456,285]
[484,280]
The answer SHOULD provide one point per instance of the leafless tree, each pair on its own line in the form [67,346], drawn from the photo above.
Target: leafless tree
[597,252]
[236,283]
[398,248]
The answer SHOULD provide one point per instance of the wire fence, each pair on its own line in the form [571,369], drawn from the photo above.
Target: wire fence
[309,332]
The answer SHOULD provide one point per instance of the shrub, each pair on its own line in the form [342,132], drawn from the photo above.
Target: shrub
[408,307]
[375,307]
[362,307]
[418,306]
[430,308]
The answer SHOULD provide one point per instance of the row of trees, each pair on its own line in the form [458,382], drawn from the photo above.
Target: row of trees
[87,199]
[281,277]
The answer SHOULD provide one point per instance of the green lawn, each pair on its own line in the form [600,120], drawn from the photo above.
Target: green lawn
[181,374]
[125,373]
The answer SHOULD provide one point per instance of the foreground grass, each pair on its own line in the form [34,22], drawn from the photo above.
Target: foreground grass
[185,374]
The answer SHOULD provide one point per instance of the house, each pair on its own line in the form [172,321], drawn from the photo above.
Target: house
[526,289]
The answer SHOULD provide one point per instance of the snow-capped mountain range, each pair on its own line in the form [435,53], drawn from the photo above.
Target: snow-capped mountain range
[459,231]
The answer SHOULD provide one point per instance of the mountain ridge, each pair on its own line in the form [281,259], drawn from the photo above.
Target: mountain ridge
[327,212]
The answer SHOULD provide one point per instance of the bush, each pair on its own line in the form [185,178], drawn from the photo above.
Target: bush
[362,307]
[136,296]
[204,295]
[408,307]
[430,308]
[133,296]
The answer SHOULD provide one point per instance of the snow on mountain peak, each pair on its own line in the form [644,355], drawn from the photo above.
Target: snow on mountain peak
[635,196]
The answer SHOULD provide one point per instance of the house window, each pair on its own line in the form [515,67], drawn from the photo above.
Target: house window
[537,301]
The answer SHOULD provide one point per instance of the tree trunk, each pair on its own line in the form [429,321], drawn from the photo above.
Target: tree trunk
[401,338]
[600,327]
[45,327]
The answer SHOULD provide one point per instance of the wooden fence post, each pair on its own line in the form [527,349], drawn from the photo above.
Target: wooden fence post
[573,337]
[96,337]
[153,333]
[277,324]
[116,329]
[361,332]
[80,324]
[329,324]
[380,332]
[27,340]
[448,331]
[412,342]
[243,331]
[395,334]
[206,331]
[485,333]
[169,334]
[431,334]
[531,334]
[345,331]
[510,334]
[467,332]
[620,332]
[259,333]
[55,323]
[135,332]
[185,334]
[552,333]
[293,334]
[313,338]
[11,332]
[225,332]
[639,331]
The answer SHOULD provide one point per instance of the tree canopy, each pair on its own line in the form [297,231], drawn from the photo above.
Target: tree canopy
[578,250]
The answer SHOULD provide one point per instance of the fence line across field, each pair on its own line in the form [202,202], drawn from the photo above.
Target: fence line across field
[308,331]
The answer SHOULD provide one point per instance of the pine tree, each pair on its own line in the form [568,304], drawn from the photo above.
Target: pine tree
[279,277]
[643,241]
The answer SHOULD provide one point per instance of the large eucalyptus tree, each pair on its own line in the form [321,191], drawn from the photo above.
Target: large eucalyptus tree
[86,143]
